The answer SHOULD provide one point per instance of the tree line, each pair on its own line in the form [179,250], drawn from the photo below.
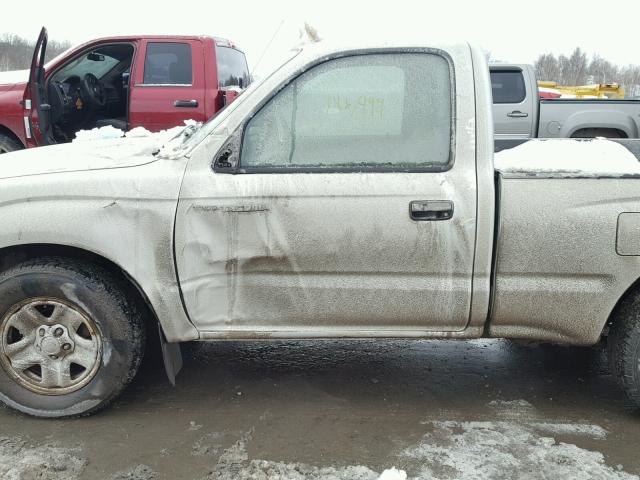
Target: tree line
[579,69]
[16,52]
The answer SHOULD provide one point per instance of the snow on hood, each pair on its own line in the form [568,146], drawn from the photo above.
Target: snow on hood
[108,132]
[100,148]
[568,157]
[15,76]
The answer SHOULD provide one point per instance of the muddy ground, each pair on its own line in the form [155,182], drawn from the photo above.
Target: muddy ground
[347,410]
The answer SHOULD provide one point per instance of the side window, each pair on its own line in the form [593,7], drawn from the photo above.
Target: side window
[508,86]
[232,67]
[168,64]
[379,110]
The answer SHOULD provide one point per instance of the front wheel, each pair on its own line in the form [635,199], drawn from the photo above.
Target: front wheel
[623,346]
[8,144]
[70,338]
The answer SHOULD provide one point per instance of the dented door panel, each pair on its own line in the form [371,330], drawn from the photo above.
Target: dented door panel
[327,254]
[320,250]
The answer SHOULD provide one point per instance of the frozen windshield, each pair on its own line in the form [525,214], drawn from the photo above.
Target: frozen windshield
[96,63]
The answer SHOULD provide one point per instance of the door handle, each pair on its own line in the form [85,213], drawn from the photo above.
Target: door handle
[186,103]
[517,114]
[431,210]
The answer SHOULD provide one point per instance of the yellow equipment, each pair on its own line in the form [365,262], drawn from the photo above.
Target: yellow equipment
[598,90]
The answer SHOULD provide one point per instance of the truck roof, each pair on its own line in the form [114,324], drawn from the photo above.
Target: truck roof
[220,41]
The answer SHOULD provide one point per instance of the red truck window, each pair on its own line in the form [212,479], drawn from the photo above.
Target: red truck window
[232,67]
[168,64]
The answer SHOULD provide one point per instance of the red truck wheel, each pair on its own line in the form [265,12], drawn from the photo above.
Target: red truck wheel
[8,144]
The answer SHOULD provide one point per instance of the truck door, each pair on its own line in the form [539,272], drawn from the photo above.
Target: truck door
[37,110]
[168,84]
[352,210]
[513,108]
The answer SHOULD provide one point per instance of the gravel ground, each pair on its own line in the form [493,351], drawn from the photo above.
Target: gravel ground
[346,410]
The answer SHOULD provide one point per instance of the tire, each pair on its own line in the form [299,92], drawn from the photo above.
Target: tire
[71,338]
[597,132]
[623,345]
[9,144]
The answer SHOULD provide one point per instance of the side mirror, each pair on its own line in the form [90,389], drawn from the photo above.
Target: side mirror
[95,57]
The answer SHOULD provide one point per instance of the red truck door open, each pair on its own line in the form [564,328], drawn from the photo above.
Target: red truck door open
[168,84]
[36,107]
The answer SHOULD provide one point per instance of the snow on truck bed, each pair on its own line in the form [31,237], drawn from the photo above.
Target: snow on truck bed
[569,158]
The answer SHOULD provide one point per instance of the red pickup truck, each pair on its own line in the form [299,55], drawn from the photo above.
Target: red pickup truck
[151,81]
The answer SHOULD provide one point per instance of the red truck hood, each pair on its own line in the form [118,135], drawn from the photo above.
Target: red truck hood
[7,88]
[11,93]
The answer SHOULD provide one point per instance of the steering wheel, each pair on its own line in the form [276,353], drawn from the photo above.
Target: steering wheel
[93,91]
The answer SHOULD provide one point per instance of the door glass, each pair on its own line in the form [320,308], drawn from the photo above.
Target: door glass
[232,67]
[379,110]
[508,87]
[168,64]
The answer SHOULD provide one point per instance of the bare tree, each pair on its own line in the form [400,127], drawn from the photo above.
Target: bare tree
[547,67]
[577,70]
[16,52]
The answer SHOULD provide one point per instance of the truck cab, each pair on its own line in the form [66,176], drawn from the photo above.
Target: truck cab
[515,105]
[156,82]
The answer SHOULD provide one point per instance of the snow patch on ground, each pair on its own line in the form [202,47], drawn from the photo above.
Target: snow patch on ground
[597,157]
[14,76]
[393,474]
[139,472]
[209,444]
[21,461]
[519,410]
[234,464]
[473,450]
[593,431]
[517,445]
[515,404]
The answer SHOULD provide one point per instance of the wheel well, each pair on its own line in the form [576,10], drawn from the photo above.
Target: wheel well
[10,256]
[599,132]
[9,133]
[628,296]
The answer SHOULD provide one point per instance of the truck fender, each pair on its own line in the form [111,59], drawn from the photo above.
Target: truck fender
[594,118]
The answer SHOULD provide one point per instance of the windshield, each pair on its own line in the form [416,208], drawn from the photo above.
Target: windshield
[58,57]
[97,64]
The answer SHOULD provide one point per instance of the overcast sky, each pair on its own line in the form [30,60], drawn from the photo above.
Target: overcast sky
[512,30]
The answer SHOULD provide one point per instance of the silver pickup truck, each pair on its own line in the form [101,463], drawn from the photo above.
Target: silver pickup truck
[351,194]
[519,114]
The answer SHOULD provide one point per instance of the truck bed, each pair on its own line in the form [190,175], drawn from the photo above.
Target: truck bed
[576,266]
